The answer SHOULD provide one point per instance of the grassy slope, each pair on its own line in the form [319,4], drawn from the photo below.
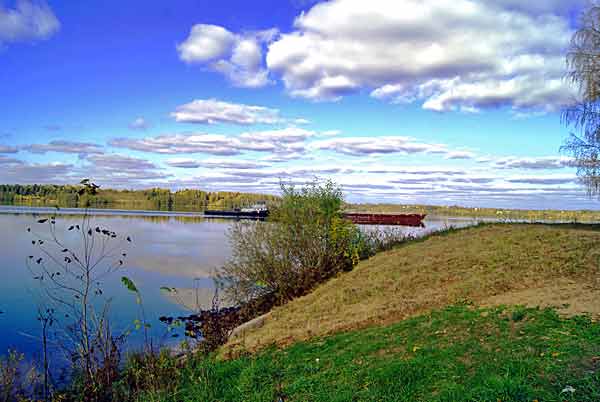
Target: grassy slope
[455,354]
[485,265]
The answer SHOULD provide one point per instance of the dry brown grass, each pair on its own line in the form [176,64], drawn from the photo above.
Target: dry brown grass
[495,264]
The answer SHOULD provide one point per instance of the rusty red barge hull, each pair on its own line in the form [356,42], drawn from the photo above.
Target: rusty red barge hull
[414,220]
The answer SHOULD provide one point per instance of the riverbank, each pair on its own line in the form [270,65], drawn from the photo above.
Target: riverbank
[484,265]
[436,319]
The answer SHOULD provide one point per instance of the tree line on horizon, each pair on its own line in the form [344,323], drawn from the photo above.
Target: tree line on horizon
[67,196]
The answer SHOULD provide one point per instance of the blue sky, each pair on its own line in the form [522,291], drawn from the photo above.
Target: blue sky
[438,102]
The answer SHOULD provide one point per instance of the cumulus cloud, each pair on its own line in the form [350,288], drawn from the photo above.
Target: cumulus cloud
[139,124]
[211,111]
[238,57]
[28,21]
[206,43]
[62,146]
[448,54]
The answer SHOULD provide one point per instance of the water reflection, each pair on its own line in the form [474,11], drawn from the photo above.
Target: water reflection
[166,251]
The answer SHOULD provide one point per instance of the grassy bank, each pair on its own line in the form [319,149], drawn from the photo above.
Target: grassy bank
[455,354]
[407,325]
[488,265]
[452,317]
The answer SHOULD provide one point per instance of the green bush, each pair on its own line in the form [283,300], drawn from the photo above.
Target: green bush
[306,241]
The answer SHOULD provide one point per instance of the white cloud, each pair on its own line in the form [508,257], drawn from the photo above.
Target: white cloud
[448,54]
[460,155]
[5,149]
[5,160]
[282,143]
[212,111]
[284,135]
[205,43]
[360,146]
[122,171]
[521,93]
[120,162]
[139,124]
[534,163]
[238,57]
[544,180]
[63,146]
[36,173]
[216,164]
[29,20]
[181,144]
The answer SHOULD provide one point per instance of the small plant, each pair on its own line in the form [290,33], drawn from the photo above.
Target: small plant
[70,267]
[519,314]
[18,379]
[146,374]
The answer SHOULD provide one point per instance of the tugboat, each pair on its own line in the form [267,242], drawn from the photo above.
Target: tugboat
[256,211]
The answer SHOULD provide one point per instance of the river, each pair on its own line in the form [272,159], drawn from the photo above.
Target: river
[176,250]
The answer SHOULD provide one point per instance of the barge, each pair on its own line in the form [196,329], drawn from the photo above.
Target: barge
[257,211]
[413,220]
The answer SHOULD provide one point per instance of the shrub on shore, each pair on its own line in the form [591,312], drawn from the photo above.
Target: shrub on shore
[307,242]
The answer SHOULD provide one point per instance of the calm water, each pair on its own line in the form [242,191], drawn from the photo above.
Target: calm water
[174,250]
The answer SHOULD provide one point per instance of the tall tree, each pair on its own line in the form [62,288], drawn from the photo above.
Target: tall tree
[583,63]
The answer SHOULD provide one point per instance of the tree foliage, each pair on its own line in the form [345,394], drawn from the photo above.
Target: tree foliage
[69,196]
[583,61]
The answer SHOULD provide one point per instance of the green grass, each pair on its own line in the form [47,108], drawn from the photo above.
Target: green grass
[548,265]
[456,354]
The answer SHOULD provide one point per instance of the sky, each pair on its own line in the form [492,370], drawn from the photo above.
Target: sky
[445,102]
